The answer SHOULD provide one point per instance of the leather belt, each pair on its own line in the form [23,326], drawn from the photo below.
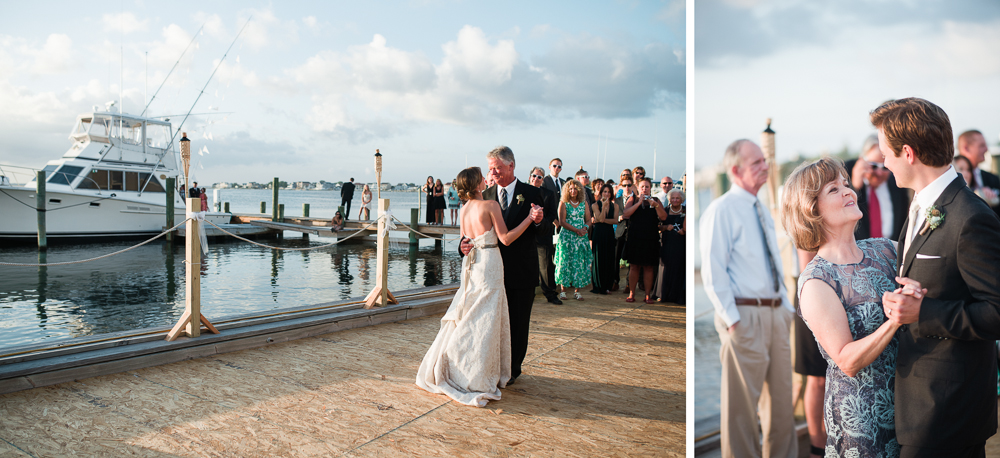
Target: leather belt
[775,302]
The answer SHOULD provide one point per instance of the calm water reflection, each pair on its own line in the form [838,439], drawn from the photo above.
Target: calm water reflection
[144,287]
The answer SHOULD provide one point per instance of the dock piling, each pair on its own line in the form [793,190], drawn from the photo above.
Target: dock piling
[414,221]
[170,208]
[305,210]
[225,207]
[192,319]
[43,243]
[274,201]
[281,213]
[263,207]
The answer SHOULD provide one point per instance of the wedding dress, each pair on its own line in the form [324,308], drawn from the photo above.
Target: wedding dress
[470,358]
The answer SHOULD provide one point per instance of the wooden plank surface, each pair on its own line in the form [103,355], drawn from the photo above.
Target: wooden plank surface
[601,378]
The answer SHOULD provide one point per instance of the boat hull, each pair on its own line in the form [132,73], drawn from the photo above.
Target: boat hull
[80,216]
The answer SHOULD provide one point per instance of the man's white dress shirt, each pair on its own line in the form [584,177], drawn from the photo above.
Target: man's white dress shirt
[733,261]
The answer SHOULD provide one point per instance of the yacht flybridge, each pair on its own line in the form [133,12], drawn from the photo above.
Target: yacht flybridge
[109,183]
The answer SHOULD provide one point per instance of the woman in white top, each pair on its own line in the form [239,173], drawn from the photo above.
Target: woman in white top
[366,204]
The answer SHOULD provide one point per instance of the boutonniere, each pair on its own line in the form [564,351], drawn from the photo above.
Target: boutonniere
[520,199]
[932,219]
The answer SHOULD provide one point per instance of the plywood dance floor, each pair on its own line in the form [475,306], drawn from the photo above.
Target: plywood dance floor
[602,378]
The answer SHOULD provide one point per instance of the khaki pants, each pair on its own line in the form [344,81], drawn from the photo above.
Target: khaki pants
[757,378]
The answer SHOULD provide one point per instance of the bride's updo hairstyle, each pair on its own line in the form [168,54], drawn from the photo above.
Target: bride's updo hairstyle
[467,182]
[799,209]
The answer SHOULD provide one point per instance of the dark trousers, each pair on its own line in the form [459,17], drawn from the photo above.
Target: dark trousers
[346,203]
[547,270]
[911,451]
[519,301]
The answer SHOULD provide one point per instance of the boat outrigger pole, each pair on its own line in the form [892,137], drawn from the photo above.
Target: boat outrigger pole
[171,70]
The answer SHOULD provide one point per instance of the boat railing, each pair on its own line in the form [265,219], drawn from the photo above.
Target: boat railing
[14,178]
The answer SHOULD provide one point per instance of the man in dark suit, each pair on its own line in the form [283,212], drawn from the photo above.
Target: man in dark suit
[946,367]
[552,182]
[346,196]
[584,178]
[195,191]
[520,258]
[883,204]
[972,145]
[543,238]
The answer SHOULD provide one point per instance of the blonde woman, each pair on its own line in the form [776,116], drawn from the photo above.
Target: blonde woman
[470,359]
[366,204]
[840,298]
[573,257]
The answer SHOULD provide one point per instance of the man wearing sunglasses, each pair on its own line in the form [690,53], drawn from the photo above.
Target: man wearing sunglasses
[552,181]
[543,238]
[883,204]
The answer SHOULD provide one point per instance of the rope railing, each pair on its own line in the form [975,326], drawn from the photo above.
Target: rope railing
[444,239]
[17,264]
[339,240]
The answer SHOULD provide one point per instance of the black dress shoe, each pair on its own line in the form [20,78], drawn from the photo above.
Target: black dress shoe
[555,300]
[511,381]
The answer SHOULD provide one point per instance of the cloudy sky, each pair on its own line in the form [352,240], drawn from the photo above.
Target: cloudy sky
[311,89]
[818,68]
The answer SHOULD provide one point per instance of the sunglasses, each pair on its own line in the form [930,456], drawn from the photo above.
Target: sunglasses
[625,183]
[536,176]
[584,176]
[877,165]
[667,184]
[556,166]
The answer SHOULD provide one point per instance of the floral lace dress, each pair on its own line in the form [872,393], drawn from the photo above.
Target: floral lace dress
[858,411]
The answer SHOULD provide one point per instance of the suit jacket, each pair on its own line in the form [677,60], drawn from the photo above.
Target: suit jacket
[551,185]
[543,236]
[991,181]
[520,258]
[589,196]
[899,199]
[347,190]
[946,366]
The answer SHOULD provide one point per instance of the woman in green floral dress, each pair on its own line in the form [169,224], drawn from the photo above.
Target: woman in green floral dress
[573,256]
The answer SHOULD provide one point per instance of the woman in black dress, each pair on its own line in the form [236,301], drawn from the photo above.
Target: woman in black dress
[671,284]
[642,239]
[439,203]
[428,188]
[605,265]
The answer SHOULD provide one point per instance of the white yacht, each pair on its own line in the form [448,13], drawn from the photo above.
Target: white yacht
[110,183]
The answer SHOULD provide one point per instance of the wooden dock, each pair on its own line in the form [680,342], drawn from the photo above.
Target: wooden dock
[602,378]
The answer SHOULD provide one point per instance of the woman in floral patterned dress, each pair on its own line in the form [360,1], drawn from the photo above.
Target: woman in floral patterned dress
[573,256]
[840,296]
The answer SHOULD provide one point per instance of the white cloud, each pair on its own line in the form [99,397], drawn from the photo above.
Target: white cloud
[967,50]
[472,60]
[213,25]
[54,57]
[163,54]
[124,23]
[310,21]
[266,29]
[379,68]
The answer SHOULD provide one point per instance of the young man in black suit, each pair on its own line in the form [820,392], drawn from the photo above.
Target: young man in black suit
[552,182]
[520,258]
[346,196]
[946,366]
[877,190]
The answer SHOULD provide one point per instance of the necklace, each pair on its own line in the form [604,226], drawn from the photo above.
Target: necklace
[678,211]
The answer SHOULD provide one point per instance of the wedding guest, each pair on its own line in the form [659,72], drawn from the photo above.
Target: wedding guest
[741,273]
[337,222]
[819,210]
[573,257]
[605,266]
[366,203]
[964,168]
[972,146]
[671,284]
[552,181]
[596,185]
[666,184]
[543,237]
[204,200]
[626,191]
[454,203]
[195,191]
[883,204]
[428,189]
[621,188]
[584,178]
[346,196]
[644,213]
[439,204]
[638,173]
[811,364]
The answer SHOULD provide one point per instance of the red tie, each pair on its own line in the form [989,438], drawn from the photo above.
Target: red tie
[875,213]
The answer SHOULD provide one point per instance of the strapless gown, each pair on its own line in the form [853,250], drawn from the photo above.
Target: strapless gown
[470,358]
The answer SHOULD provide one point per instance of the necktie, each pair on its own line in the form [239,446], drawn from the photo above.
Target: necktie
[767,245]
[875,213]
[503,199]
[911,227]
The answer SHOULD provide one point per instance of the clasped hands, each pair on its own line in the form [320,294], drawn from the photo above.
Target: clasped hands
[902,306]
[535,215]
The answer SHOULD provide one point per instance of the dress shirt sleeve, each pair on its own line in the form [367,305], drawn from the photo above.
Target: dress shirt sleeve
[716,248]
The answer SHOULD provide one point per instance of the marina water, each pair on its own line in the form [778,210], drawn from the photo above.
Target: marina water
[144,287]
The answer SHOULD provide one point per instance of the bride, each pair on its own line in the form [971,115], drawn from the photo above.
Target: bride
[470,358]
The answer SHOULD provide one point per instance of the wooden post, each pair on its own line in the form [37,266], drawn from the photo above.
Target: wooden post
[340,208]
[414,221]
[43,243]
[281,213]
[170,208]
[263,207]
[225,207]
[305,210]
[380,295]
[192,319]
[274,200]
